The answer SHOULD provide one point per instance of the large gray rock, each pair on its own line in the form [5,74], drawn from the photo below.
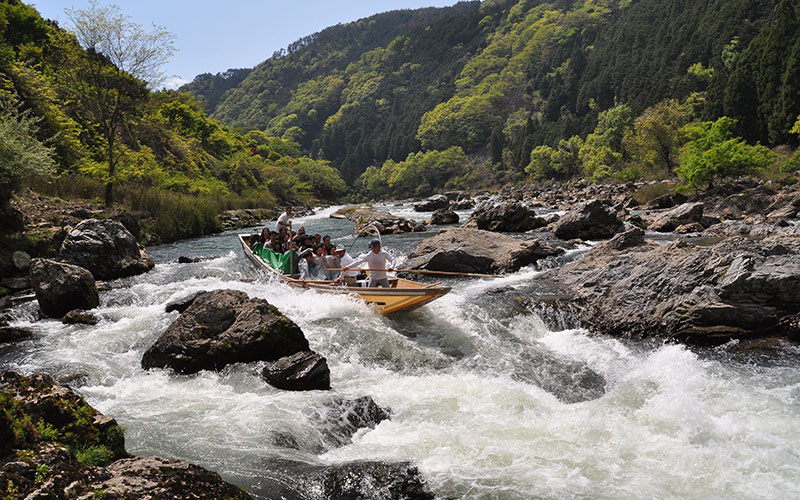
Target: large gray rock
[224,327]
[61,287]
[738,288]
[302,371]
[591,220]
[21,260]
[512,217]
[468,250]
[435,202]
[685,214]
[106,248]
[444,216]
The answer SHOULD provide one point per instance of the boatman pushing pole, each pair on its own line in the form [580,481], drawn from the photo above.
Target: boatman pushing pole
[377,261]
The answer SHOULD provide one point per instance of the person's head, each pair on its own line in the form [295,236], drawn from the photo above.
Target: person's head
[317,238]
[288,210]
[320,250]
[339,251]
[301,230]
[307,254]
[375,245]
[326,239]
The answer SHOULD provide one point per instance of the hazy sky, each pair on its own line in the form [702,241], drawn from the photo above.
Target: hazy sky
[213,36]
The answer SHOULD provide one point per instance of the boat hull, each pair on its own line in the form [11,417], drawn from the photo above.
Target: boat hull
[404,295]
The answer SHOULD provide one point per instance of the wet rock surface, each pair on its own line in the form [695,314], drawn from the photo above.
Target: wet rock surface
[435,202]
[707,294]
[342,418]
[683,215]
[475,251]
[61,287]
[384,222]
[106,248]
[355,480]
[79,317]
[444,216]
[302,371]
[224,327]
[11,334]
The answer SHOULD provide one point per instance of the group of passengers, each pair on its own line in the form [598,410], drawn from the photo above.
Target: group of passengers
[316,258]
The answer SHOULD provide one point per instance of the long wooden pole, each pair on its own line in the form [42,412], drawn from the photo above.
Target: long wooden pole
[424,271]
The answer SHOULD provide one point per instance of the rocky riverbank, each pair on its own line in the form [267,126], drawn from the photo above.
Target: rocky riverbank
[384,222]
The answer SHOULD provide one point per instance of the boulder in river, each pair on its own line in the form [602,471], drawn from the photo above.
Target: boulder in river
[224,327]
[79,317]
[511,217]
[61,287]
[468,250]
[302,371]
[106,248]
[384,222]
[591,220]
[432,203]
[21,261]
[353,480]
[342,418]
[738,288]
[444,216]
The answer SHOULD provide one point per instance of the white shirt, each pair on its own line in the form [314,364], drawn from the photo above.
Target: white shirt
[347,260]
[283,220]
[380,260]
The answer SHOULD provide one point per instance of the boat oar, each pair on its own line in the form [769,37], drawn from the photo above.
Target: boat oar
[425,271]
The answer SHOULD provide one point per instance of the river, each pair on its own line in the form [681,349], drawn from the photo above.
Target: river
[486,400]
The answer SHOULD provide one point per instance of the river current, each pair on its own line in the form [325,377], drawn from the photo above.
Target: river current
[486,400]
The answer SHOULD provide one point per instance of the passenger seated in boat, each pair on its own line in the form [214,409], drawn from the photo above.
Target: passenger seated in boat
[329,247]
[377,261]
[308,268]
[321,260]
[341,259]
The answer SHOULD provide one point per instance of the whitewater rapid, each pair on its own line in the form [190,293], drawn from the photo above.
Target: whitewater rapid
[486,400]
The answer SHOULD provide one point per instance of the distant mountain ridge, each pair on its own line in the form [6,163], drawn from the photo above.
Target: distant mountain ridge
[497,78]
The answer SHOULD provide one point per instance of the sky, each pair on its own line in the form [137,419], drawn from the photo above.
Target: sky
[212,36]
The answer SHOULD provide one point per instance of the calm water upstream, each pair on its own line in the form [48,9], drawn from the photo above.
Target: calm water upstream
[488,402]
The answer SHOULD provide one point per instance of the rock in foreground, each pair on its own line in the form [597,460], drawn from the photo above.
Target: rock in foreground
[475,251]
[60,287]
[224,327]
[106,248]
[55,446]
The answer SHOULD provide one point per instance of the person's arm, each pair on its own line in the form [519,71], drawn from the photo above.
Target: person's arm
[358,262]
[389,260]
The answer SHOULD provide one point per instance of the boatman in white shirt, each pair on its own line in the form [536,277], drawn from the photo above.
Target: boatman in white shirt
[284,222]
[377,261]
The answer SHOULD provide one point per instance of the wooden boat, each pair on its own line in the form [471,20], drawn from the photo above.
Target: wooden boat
[403,295]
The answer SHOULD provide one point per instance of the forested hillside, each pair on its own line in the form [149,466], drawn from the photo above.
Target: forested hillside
[77,119]
[529,89]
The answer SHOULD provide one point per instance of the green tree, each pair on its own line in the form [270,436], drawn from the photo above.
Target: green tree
[655,137]
[712,152]
[108,81]
[561,163]
[21,155]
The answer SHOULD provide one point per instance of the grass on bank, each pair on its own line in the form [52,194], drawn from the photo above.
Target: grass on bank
[174,215]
